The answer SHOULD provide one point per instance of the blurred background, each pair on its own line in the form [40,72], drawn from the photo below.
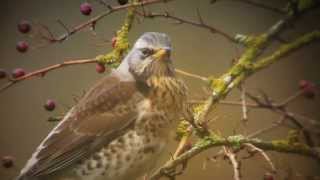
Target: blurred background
[24,121]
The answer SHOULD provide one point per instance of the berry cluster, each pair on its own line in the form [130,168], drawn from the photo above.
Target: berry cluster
[24,27]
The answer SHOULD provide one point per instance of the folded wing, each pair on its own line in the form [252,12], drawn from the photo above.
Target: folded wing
[103,114]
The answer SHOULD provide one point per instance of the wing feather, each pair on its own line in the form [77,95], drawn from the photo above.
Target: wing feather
[103,114]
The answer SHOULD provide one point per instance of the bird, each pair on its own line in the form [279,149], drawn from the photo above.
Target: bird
[121,126]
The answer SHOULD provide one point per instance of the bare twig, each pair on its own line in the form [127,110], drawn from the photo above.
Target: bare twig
[266,129]
[235,164]
[180,20]
[92,21]
[244,104]
[191,75]
[291,98]
[263,154]
[264,6]
[42,72]
[288,115]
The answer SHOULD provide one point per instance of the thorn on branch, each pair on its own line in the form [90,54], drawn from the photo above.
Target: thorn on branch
[200,17]
[64,26]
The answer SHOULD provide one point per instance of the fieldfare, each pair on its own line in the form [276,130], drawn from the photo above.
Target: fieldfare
[121,126]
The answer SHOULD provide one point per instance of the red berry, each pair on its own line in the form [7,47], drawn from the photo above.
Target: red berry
[308,88]
[7,161]
[22,46]
[18,72]
[122,2]
[3,73]
[86,8]
[113,42]
[50,105]
[303,84]
[24,26]
[100,68]
[268,176]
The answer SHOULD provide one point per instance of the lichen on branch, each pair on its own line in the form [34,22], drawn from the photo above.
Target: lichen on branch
[122,45]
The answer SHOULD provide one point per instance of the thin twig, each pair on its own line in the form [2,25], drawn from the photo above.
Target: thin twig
[92,21]
[191,75]
[264,6]
[291,98]
[235,164]
[42,72]
[180,20]
[263,154]
[288,115]
[244,104]
[266,129]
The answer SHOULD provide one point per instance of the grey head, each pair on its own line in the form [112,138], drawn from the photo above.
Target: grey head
[149,57]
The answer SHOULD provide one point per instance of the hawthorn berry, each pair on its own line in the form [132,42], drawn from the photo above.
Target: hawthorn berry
[100,68]
[3,73]
[50,105]
[7,161]
[268,176]
[18,72]
[24,26]
[22,46]
[308,88]
[86,8]
[122,2]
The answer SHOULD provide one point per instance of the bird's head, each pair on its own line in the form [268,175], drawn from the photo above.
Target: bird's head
[149,57]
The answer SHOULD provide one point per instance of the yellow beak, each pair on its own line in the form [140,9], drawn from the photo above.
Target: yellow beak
[161,54]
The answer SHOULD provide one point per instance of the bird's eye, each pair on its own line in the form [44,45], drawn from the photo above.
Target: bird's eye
[147,51]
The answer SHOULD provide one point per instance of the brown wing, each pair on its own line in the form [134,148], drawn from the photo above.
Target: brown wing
[104,113]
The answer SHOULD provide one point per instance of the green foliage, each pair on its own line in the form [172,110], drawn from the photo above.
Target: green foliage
[182,129]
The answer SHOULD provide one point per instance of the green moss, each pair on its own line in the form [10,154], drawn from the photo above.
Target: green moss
[197,110]
[218,85]
[286,49]
[280,144]
[252,40]
[293,137]
[286,146]
[122,45]
[182,129]
[211,140]
[236,141]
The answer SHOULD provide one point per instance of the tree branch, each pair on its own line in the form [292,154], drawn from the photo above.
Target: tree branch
[236,141]
[180,20]
[93,21]
[42,72]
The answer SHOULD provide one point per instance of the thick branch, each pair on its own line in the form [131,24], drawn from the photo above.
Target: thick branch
[236,75]
[237,141]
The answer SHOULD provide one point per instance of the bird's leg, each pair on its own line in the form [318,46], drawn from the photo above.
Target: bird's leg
[182,145]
